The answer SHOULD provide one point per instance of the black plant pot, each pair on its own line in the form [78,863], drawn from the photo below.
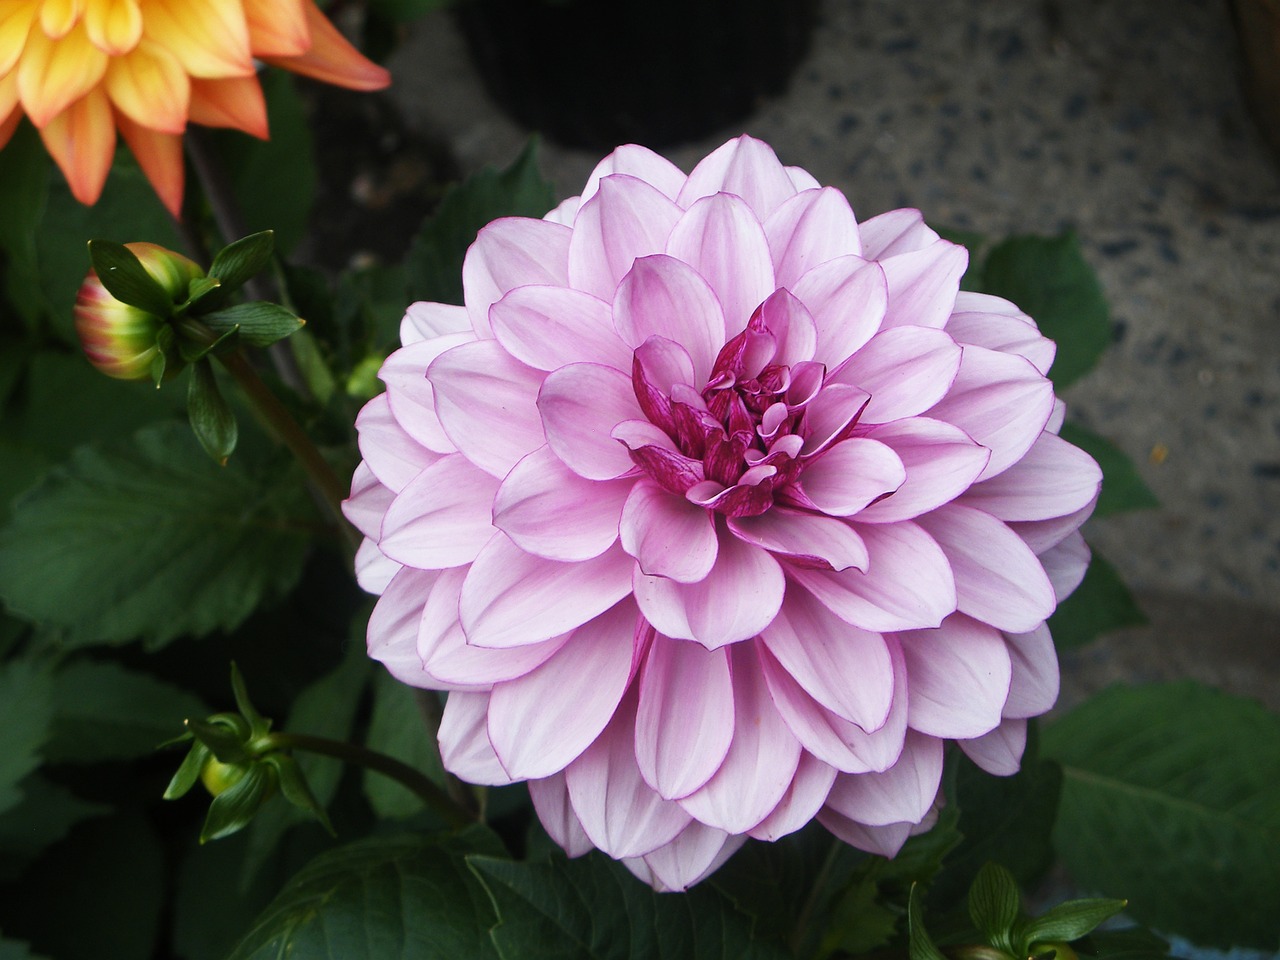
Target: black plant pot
[597,73]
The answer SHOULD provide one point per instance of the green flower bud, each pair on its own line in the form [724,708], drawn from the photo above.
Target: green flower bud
[118,338]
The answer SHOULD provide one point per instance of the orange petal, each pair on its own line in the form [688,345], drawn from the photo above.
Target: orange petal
[82,141]
[235,102]
[160,157]
[209,37]
[332,59]
[114,26]
[10,112]
[150,87]
[15,24]
[277,28]
[52,74]
[57,17]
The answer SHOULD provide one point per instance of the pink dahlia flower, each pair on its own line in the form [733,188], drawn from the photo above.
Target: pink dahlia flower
[716,511]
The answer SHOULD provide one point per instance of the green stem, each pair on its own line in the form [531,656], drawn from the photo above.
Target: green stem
[402,773]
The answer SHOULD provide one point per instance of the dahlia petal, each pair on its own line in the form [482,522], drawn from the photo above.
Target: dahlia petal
[210,38]
[667,298]
[464,740]
[541,722]
[803,538]
[850,476]
[564,212]
[941,462]
[724,242]
[1065,564]
[905,369]
[479,386]
[55,74]
[394,457]
[512,598]
[374,569]
[393,625]
[368,502]
[908,584]
[830,414]
[1042,535]
[808,229]
[1053,479]
[998,579]
[695,853]
[82,140]
[549,327]
[442,518]
[550,511]
[160,157]
[847,297]
[626,219]
[579,406]
[884,841]
[330,57]
[57,17]
[509,253]
[453,663]
[654,451]
[984,321]
[639,162]
[410,394]
[15,24]
[551,801]
[832,739]
[150,87]
[761,761]
[668,535]
[745,167]
[903,793]
[425,320]
[802,801]
[114,26]
[235,102]
[621,814]
[923,284]
[959,675]
[1001,401]
[1000,751]
[794,330]
[277,28]
[1033,686]
[684,721]
[736,600]
[895,232]
[847,670]
[802,179]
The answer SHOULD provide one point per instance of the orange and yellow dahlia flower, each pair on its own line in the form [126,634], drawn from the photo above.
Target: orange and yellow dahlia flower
[83,69]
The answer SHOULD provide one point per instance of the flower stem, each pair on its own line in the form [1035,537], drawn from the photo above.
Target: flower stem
[402,773]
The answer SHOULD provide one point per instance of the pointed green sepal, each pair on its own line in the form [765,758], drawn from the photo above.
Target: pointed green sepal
[237,262]
[199,289]
[260,323]
[258,724]
[211,417]
[995,905]
[232,809]
[192,350]
[293,785]
[919,944]
[189,772]
[126,279]
[1068,921]
[226,741]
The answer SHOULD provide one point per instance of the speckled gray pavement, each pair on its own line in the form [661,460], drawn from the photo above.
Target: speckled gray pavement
[1122,121]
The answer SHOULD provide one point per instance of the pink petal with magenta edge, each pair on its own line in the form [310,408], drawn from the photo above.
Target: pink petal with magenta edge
[509,253]
[960,675]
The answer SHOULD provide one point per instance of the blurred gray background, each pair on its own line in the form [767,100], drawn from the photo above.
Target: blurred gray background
[1124,121]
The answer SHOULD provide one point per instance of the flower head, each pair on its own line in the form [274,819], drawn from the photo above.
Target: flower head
[717,511]
[83,69]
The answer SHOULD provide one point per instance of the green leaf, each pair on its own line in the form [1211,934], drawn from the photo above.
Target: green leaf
[919,944]
[148,538]
[16,950]
[43,817]
[1068,921]
[274,180]
[1123,488]
[1048,278]
[1172,801]
[861,922]
[434,263]
[591,908]
[126,279]
[995,904]
[380,898]
[103,711]
[232,809]
[399,729]
[245,258]
[211,417]
[260,323]
[26,712]
[1100,604]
